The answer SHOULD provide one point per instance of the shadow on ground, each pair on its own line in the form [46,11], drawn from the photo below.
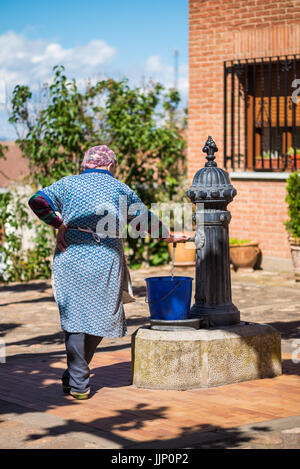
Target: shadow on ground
[113,430]
[50,339]
[31,300]
[8,326]
[140,291]
[288,330]
[28,373]
[47,339]
[24,287]
[200,436]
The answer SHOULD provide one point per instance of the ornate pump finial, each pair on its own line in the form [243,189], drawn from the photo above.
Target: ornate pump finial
[210,148]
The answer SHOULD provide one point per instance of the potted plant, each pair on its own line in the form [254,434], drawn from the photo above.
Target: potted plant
[244,254]
[293,224]
[291,154]
[185,253]
[266,161]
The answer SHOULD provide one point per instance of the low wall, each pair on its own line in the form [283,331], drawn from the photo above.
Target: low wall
[258,213]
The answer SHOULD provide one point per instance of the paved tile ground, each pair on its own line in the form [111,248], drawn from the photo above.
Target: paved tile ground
[35,414]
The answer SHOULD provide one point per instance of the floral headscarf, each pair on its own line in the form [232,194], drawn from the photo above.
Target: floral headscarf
[100,155]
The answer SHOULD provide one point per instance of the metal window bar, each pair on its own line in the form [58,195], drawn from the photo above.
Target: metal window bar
[294,116]
[254,116]
[239,114]
[271,125]
[225,114]
[270,112]
[232,118]
[285,67]
[246,114]
[278,137]
[262,85]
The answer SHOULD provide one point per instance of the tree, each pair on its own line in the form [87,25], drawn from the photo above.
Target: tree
[139,124]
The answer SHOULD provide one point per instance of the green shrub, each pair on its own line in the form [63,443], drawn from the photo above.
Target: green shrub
[291,151]
[293,201]
[238,241]
[142,126]
[18,263]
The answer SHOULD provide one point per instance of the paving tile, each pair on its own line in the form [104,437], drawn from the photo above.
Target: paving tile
[125,415]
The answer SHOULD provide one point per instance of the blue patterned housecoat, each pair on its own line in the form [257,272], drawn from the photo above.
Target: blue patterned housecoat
[87,276]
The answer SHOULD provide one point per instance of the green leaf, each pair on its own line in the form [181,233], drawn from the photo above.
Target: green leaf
[140,125]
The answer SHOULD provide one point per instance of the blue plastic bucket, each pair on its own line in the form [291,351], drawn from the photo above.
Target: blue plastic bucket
[169,298]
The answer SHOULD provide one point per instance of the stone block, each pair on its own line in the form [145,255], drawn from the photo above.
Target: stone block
[204,358]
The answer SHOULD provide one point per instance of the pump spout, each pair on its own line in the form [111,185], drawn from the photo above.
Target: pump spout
[198,239]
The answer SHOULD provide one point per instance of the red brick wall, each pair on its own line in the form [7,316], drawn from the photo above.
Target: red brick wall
[224,30]
[14,167]
[258,213]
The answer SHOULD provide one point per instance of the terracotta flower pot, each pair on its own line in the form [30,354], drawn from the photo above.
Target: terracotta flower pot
[291,161]
[244,255]
[260,165]
[185,254]
[295,252]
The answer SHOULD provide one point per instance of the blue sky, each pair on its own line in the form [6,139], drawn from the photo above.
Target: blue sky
[137,28]
[92,39]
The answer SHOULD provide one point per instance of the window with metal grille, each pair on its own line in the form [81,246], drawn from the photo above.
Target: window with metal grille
[261,115]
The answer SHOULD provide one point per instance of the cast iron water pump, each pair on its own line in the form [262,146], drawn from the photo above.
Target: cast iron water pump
[212,191]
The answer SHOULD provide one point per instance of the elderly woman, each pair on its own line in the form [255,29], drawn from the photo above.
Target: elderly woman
[88,267]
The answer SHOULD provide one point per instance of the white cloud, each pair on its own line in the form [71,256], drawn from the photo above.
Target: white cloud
[2,92]
[159,71]
[30,61]
[24,60]
[154,65]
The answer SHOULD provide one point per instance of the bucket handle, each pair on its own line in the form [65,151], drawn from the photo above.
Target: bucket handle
[164,297]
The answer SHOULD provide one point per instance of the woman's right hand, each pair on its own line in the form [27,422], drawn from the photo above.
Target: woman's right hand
[177,238]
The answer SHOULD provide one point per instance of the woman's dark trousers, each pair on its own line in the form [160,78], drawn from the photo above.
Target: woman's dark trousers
[80,349]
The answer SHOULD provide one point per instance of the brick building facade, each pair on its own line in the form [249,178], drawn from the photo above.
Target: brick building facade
[243,59]
[14,167]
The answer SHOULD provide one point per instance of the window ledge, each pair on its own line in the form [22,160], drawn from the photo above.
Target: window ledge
[261,175]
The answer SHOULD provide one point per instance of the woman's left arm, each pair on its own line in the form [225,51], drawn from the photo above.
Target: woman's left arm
[44,210]
[45,203]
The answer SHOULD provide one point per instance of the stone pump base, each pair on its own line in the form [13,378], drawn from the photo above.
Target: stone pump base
[204,358]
